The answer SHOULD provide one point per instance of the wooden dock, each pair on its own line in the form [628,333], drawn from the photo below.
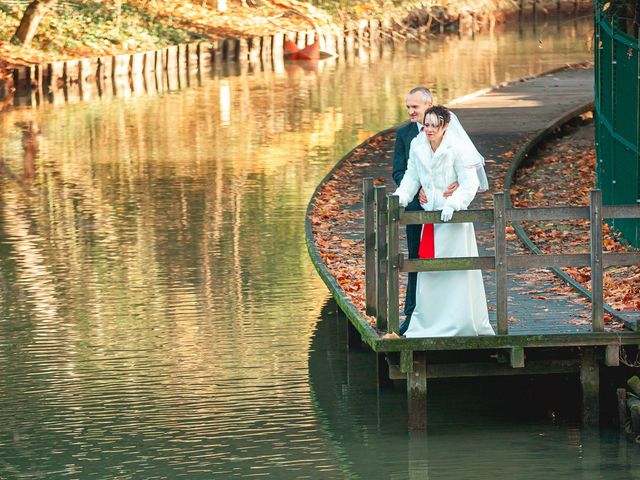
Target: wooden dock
[539,331]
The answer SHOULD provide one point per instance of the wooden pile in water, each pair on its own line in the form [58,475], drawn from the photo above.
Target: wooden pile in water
[629,408]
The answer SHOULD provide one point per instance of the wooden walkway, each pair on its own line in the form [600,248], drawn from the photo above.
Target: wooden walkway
[499,122]
[543,311]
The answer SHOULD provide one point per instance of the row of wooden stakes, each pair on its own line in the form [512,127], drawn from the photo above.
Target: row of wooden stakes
[200,56]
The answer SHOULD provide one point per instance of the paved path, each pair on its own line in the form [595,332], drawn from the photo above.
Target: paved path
[498,122]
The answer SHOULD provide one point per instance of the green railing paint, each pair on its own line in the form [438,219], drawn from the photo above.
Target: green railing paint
[617,114]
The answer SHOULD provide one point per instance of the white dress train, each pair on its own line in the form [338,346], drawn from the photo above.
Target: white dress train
[451,303]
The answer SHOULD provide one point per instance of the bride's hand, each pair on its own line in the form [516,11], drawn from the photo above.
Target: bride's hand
[422,197]
[447,213]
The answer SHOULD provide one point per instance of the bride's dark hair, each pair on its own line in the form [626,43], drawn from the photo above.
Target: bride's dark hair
[438,114]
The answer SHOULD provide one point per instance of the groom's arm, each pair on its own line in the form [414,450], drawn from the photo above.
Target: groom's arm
[400,156]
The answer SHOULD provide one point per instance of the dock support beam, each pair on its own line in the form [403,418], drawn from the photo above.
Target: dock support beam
[384,381]
[590,381]
[354,341]
[417,392]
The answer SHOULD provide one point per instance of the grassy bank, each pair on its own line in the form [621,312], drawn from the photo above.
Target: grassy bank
[84,28]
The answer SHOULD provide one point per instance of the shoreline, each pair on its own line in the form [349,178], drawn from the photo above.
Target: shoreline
[335,39]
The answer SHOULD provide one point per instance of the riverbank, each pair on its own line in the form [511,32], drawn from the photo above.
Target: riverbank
[86,32]
[89,29]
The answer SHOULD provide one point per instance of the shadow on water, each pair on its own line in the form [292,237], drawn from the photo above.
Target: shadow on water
[517,427]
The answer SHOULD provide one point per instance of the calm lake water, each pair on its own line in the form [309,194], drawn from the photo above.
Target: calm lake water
[159,315]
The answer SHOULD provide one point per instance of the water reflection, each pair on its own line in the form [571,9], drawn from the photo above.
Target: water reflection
[157,303]
[519,427]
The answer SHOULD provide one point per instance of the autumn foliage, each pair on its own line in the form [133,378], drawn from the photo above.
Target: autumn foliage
[564,174]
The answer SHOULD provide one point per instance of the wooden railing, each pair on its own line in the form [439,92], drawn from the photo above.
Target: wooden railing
[383,261]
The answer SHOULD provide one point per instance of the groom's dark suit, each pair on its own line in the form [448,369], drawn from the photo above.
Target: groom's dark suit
[404,135]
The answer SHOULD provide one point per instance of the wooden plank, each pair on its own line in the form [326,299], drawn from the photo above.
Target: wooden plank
[590,382]
[369,246]
[417,392]
[621,211]
[255,44]
[516,357]
[547,213]
[623,417]
[597,302]
[549,260]
[523,214]
[379,194]
[205,57]
[500,262]
[121,65]
[631,319]
[393,263]
[507,341]
[462,216]
[487,369]
[243,49]
[446,264]
[395,373]
[612,355]
[406,361]
[620,259]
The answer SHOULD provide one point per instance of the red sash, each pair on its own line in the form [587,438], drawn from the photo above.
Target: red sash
[427,247]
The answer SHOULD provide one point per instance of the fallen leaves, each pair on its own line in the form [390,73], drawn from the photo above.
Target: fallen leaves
[336,218]
[566,168]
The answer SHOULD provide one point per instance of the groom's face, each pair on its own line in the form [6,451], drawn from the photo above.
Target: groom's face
[417,105]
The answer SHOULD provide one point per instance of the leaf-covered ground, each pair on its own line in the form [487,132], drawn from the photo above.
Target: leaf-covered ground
[563,173]
[86,28]
[92,28]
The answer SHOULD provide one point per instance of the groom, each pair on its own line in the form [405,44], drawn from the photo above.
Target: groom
[419,100]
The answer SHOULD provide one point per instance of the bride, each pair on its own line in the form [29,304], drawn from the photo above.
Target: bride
[450,303]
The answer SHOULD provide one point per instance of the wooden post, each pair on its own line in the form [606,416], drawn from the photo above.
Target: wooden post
[417,392]
[516,357]
[633,404]
[369,246]
[623,418]
[277,47]
[393,263]
[590,381]
[354,340]
[612,355]
[597,304]
[254,49]
[500,230]
[243,49]
[381,256]
[520,11]
[384,382]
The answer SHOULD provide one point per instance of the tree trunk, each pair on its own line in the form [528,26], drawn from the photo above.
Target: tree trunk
[30,21]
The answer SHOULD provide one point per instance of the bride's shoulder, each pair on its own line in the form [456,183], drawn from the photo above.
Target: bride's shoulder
[418,139]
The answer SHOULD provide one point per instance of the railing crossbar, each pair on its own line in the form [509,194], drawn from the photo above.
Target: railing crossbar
[563,214]
[383,215]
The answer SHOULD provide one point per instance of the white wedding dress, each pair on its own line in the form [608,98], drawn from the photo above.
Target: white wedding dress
[451,303]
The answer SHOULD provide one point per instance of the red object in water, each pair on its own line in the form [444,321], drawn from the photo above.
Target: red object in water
[310,52]
[290,47]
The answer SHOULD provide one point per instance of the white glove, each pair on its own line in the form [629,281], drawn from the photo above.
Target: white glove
[447,213]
